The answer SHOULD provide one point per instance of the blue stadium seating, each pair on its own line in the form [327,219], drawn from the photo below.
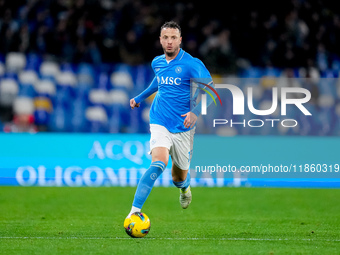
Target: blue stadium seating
[67,97]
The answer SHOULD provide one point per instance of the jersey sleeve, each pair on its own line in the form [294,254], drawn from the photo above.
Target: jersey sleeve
[148,91]
[202,76]
[199,70]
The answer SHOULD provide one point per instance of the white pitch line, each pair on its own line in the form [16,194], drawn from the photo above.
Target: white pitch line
[167,238]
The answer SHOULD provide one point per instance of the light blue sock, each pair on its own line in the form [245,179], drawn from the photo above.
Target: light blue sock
[183,184]
[146,183]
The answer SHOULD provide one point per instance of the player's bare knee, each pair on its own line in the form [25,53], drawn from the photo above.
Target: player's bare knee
[160,154]
[177,178]
[162,158]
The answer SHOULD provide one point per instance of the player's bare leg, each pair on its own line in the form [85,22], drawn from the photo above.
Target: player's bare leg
[181,179]
[160,154]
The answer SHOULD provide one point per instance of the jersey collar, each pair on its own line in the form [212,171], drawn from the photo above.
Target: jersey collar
[178,57]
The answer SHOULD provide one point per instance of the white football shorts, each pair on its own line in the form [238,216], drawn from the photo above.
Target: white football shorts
[180,145]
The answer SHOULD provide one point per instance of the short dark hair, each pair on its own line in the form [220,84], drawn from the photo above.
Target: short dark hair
[171,24]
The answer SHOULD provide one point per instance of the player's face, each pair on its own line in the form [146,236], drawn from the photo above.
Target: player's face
[170,40]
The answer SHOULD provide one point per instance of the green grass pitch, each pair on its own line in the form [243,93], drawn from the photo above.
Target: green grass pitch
[39,220]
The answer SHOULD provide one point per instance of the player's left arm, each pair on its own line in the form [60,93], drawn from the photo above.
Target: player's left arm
[190,119]
[199,73]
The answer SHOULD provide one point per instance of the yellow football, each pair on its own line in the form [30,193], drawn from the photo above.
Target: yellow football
[137,225]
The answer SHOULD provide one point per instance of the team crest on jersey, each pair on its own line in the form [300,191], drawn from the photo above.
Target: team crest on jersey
[178,69]
[157,69]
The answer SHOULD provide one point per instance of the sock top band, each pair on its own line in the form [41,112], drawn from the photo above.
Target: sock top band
[159,164]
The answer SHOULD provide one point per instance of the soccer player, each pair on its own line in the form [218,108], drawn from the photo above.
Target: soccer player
[172,124]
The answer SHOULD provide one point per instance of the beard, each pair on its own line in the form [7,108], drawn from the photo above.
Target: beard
[172,52]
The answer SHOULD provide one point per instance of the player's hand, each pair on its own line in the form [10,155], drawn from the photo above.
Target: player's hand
[133,103]
[190,119]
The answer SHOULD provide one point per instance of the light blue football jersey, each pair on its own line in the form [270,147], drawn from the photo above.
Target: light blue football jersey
[172,80]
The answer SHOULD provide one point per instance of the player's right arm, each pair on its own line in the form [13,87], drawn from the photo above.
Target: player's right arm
[135,102]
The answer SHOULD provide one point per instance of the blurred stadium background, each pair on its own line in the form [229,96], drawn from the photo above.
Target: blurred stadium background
[67,71]
[69,68]
[72,66]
